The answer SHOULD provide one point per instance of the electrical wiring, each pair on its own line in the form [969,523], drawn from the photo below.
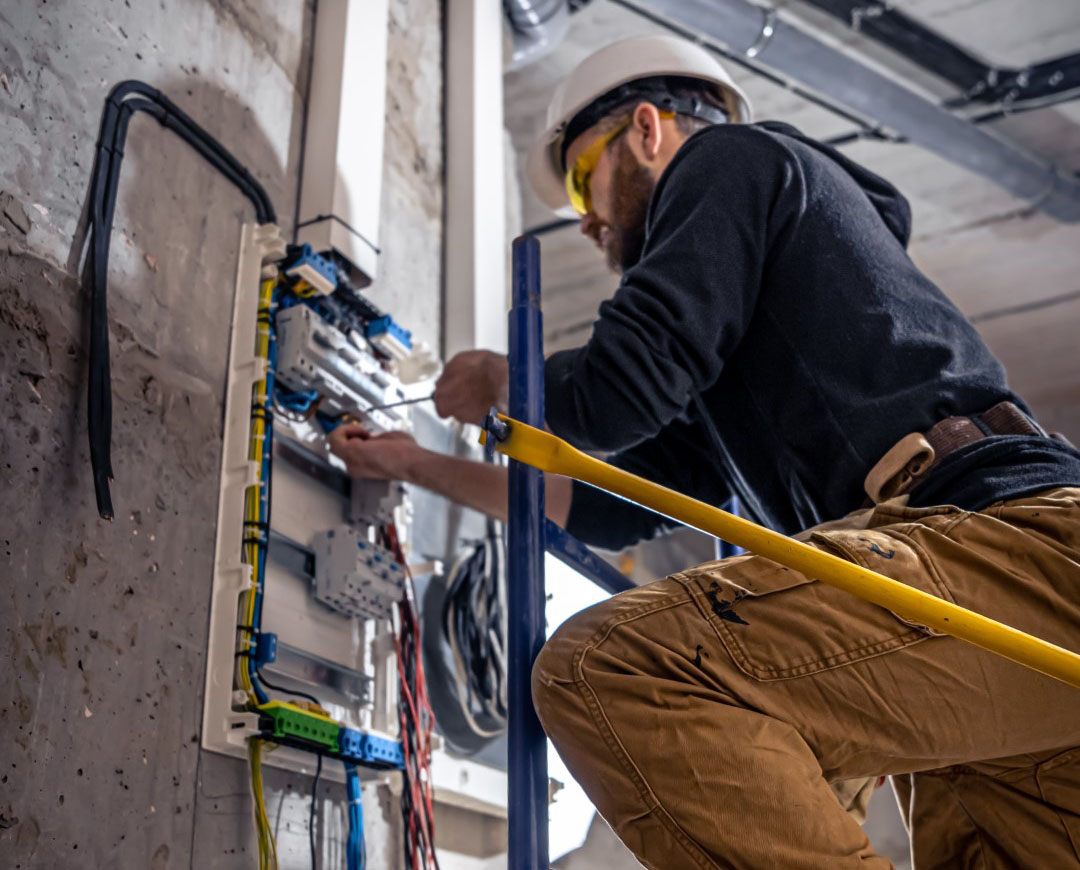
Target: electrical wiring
[417,722]
[299,402]
[122,102]
[474,623]
[314,810]
[268,859]
[257,497]
[355,845]
[293,692]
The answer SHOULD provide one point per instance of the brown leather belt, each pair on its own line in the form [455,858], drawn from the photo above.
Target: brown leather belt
[915,456]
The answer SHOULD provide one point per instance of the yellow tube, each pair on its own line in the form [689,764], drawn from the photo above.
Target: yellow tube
[547,452]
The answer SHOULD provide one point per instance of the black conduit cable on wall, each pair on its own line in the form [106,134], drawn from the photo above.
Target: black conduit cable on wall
[123,101]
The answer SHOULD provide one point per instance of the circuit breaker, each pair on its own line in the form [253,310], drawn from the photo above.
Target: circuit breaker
[355,576]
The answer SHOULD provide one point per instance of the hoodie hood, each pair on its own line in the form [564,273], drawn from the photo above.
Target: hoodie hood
[886,199]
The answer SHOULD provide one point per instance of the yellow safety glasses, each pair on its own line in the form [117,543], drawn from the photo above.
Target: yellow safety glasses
[578,175]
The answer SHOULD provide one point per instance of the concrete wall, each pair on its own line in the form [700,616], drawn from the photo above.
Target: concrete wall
[104,624]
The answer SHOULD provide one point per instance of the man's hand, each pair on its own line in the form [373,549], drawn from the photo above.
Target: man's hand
[385,456]
[471,383]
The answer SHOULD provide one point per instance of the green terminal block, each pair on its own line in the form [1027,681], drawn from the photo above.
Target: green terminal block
[288,720]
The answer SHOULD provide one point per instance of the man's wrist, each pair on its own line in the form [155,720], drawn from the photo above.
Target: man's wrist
[409,465]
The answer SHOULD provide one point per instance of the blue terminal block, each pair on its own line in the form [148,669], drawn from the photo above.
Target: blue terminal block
[370,750]
[389,337]
[315,269]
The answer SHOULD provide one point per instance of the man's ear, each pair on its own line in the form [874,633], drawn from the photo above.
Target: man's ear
[646,133]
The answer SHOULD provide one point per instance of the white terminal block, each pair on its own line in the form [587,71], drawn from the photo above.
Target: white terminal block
[355,576]
[318,281]
[391,345]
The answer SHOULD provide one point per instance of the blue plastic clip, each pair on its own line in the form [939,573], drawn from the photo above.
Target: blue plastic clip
[265,648]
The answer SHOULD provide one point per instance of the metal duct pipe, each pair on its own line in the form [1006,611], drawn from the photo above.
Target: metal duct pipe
[760,34]
[537,26]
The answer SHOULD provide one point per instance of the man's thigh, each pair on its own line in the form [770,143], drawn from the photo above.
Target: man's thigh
[872,694]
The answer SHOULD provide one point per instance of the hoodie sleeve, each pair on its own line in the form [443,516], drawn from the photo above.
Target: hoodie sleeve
[683,308]
[676,459]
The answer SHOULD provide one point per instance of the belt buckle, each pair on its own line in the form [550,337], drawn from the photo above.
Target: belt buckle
[896,471]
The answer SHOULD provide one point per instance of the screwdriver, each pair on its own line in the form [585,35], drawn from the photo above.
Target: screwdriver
[399,404]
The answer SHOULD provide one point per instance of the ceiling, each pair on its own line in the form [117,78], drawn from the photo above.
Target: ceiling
[1014,271]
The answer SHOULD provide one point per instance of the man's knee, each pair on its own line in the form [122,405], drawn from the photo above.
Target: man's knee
[553,670]
[557,670]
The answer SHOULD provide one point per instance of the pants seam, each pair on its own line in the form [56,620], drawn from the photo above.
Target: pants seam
[975,825]
[604,727]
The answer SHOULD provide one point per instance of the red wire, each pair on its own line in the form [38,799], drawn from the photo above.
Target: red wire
[420,785]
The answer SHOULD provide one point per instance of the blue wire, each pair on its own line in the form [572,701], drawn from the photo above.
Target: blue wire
[356,848]
[264,505]
[328,424]
[299,401]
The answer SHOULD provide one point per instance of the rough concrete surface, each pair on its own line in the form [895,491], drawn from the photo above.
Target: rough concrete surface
[103,624]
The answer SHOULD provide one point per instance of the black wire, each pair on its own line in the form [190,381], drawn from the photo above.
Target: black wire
[314,802]
[473,598]
[123,101]
[293,692]
[183,124]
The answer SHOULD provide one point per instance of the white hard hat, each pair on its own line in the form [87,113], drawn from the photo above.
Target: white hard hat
[601,72]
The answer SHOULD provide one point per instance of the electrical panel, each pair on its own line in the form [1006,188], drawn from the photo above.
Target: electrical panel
[315,651]
[315,617]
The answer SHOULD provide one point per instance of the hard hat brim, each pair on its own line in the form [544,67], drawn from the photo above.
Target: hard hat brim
[546,178]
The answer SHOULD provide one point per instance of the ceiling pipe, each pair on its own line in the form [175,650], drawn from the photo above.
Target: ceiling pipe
[537,27]
[761,34]
[977,81]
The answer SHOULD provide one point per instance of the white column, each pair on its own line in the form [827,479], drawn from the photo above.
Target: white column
[475,301]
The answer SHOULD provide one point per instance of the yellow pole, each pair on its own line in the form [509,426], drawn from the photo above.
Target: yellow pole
[549,453]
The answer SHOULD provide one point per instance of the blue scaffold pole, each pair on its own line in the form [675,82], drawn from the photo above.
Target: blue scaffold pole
[570,551]
[527,745]
[725,550]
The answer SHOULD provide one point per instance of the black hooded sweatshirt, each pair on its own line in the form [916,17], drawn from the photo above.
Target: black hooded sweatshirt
[773,341]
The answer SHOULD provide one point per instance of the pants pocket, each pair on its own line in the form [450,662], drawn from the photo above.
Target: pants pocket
[778,624]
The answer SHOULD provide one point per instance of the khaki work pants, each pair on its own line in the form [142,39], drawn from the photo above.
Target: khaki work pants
[707,714]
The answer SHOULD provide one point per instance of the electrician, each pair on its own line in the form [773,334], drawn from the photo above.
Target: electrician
[771,339]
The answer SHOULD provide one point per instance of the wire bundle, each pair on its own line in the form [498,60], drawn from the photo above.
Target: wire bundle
[257,496]
[474,622]
[355,847]
[122,102]
[268,859]
[296,402]
[417,721]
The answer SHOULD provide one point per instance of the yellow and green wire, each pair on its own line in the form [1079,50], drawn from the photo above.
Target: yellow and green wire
[253,553]
[268,859]
[256,498]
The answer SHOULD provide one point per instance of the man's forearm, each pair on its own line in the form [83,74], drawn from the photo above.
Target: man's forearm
[480,485]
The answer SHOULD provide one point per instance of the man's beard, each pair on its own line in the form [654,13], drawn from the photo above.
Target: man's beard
[632,186]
